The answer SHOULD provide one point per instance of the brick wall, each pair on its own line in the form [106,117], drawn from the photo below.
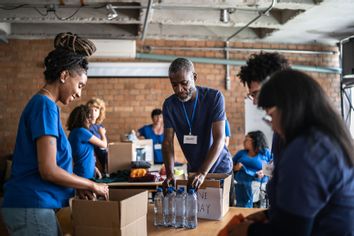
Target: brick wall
[130,100]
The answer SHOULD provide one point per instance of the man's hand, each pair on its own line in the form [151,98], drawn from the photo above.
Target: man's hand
[169,181]
[197,181]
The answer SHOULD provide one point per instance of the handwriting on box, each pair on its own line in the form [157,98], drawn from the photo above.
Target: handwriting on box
[209,203]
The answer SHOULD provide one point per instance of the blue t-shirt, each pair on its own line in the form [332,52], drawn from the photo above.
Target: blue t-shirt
[251,165]
[210,108]
[83,153]
[26,188]
[94,128]
[157,139]
[312,179]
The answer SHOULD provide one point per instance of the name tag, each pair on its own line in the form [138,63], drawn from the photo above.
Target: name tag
[157,146]
[267,169]
[190,139]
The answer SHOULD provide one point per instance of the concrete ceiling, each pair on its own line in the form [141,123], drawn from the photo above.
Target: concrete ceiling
[279,21]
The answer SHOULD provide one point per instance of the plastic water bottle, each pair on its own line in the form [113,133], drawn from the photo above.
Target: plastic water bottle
[191,210]
[170,208]
[158,208]
[180,208]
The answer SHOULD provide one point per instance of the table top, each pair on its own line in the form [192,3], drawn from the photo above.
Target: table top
[134,184]
[204,228]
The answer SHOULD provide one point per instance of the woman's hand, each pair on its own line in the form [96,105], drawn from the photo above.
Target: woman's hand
[260,174]
[238,166]
[102,131]
[101,190]
[259,216]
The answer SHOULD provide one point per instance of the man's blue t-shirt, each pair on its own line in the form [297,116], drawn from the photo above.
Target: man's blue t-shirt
[250,165]
[26,188]
[83,152]
[157,139]
[210,108]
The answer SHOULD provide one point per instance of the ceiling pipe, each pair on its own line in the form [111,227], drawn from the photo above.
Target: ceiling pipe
[147,14]
[227,76]
[260,13]
[319,69]
[234,49]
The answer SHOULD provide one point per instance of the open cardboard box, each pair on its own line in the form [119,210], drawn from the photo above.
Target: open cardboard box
[121,154]
[213,195]
[125,214]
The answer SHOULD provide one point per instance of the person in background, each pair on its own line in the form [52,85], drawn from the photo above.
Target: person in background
[248,166]
[227,133]
[41,177]
[82,142]
[313,180]
[154,131]
[98,113]
[197,116]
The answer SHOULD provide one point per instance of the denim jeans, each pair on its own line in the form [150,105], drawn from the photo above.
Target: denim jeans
[31,221]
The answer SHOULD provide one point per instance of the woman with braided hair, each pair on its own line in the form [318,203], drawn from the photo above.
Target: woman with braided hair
[42,178]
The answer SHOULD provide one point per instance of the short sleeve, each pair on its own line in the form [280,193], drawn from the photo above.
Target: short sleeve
[45,121]
[166,115]
[238,156]
[219,107]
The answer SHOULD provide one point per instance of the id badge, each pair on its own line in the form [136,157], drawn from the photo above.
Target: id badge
[157,146]
[268,169]
[190,139]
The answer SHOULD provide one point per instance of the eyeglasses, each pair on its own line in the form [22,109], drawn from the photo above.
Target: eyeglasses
[253,95]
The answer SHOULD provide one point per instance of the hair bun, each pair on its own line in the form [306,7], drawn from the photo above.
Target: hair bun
[74,43]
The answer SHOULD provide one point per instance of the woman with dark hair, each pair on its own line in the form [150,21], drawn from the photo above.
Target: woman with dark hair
[41,178]
[312,191]
[154,131]
[248,166]
[82,142]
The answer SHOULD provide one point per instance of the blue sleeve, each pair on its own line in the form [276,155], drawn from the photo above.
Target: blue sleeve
[166,115]
[142,131]
[86,135]
[45,121]
[238,156]
[219,108]
[227,129]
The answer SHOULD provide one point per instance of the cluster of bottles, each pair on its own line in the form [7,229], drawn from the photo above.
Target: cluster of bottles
[179,210]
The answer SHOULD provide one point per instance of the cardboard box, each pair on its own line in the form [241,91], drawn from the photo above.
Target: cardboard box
[213,196]
[125,214]
[121,154]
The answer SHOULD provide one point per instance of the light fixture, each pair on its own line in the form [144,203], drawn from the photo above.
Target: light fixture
[224,16]
[111,12]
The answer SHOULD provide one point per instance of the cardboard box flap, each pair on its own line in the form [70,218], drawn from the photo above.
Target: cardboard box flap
[95,213]
[133,208]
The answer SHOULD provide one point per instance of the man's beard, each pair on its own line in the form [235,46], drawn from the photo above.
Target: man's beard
[189,95]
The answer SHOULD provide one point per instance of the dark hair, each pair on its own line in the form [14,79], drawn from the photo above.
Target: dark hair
[78,117]
[156,112]
[259,66]
[181,64]
[70,53]
[303,105]
[259,141]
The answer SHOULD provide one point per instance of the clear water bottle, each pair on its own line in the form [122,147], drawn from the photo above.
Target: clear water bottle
[170,208]
[158,208]
[191,209]
[180,208]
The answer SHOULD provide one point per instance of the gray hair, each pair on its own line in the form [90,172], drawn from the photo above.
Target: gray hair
[181,64]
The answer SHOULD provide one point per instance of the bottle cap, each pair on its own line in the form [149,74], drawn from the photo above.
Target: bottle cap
[159,189]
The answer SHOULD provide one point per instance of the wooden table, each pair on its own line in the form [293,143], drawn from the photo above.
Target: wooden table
[204,228]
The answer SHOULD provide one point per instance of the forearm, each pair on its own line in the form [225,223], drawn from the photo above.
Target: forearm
[61,177]
[168,157]
[212,156]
